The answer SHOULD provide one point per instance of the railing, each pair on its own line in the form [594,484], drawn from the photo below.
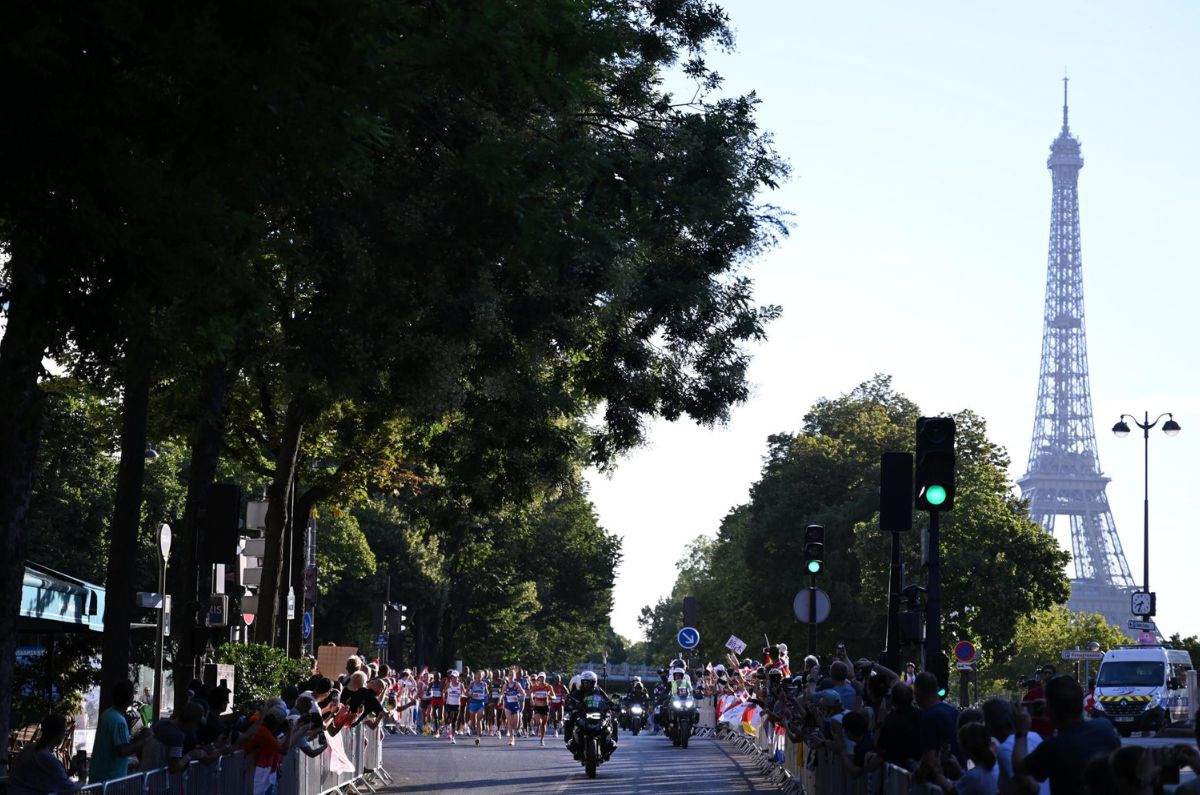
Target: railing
[354,756]
[817,771]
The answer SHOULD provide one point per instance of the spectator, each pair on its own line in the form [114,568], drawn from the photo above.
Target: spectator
[937,724]
[176,739]
[1133,771]
[361,700]
[1034,700]
[998,717]
[910,674]
[831,706]
[264,742]
[839,674]
[983,778]
[900,735]
[37,769]
[1189,756]
[1062,758]
[288,695]
[859,745]
[113,746]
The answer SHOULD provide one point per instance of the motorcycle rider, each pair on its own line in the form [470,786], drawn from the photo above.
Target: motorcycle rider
[680,681]
[637,695]
[662,691]
[588,694]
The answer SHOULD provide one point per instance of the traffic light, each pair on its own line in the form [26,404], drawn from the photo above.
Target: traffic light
[933,483]
[397,614]
[814,549]
[896,492]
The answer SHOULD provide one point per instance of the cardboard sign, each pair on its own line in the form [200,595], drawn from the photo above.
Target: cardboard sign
[735,645]
[331,660]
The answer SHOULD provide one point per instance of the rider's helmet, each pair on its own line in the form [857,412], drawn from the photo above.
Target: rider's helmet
[637,680]
[677,663]
[677,673]
[587,682]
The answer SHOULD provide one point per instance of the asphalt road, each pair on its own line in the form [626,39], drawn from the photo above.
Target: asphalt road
[641,764]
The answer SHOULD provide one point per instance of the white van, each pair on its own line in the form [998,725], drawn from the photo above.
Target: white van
[1143,688]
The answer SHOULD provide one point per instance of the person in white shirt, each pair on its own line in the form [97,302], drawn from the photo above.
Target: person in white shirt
[998,717]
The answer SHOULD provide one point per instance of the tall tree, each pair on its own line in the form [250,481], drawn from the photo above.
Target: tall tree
[998,565]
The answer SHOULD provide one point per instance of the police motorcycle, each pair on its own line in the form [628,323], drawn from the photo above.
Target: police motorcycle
[634,708]
[681,712]
[592,736]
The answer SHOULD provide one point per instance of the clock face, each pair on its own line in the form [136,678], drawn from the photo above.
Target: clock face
[1141,603]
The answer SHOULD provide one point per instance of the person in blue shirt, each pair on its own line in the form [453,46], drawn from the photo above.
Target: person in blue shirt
[113,746]
[1062,758]
[937,722]
[36,769]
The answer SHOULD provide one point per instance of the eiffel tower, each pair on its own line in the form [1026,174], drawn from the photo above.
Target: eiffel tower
[1064,480]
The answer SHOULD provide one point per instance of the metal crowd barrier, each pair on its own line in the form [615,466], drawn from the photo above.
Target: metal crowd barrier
[799,769]
[233,774]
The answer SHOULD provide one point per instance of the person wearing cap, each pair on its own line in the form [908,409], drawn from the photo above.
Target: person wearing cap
[452,695]
[830,702]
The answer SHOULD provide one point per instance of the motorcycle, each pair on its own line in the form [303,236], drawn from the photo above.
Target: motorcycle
[681,717]
[633,716]
[592,733]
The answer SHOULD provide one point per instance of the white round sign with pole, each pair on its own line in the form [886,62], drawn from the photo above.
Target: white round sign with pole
[803,601]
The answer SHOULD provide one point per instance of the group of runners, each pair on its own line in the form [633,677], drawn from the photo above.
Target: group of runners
[490,703]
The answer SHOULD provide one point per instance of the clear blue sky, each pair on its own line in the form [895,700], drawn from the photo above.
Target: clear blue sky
[918,135]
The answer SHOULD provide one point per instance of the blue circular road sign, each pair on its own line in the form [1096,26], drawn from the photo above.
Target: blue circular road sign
[306,625]
[688,638]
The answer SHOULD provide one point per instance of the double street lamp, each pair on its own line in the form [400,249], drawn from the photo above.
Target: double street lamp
[1121,430]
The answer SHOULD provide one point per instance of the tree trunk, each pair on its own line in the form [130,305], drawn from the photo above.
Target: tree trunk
[205,453]
[30,330]
[279,494]
[127,514]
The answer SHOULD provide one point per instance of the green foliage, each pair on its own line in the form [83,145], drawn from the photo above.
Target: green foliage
[1043,635]
[342,549]
[997,564]
[74,673]
[261,670]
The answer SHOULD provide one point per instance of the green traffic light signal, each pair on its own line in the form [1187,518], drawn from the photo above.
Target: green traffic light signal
[935,494]
[814,567]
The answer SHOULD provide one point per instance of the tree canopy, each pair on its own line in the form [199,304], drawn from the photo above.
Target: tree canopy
[998,566]
[405,268]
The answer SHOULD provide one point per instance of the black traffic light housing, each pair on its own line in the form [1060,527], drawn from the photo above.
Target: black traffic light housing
[933,481]
[814,549]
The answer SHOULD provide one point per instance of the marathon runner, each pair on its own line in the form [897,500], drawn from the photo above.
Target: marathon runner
[435,702]
[452,694]
[514,700]
[539,699]
[494,709]
[556,702]
[527,712]
[478,692]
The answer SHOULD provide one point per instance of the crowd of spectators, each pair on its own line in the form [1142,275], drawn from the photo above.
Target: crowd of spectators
[868,716]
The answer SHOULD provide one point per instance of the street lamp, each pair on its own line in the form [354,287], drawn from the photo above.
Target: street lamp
[1121,430]
[164,548]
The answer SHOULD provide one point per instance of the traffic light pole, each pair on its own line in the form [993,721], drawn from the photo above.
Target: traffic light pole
[896,576]
[935,657]
[812,614]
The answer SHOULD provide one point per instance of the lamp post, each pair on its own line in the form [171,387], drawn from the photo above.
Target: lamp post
[1121,430]
[164,548]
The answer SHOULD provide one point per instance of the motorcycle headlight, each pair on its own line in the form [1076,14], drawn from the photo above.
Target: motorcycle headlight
[689,703]
[676,703]
[593,716]
[636,710]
